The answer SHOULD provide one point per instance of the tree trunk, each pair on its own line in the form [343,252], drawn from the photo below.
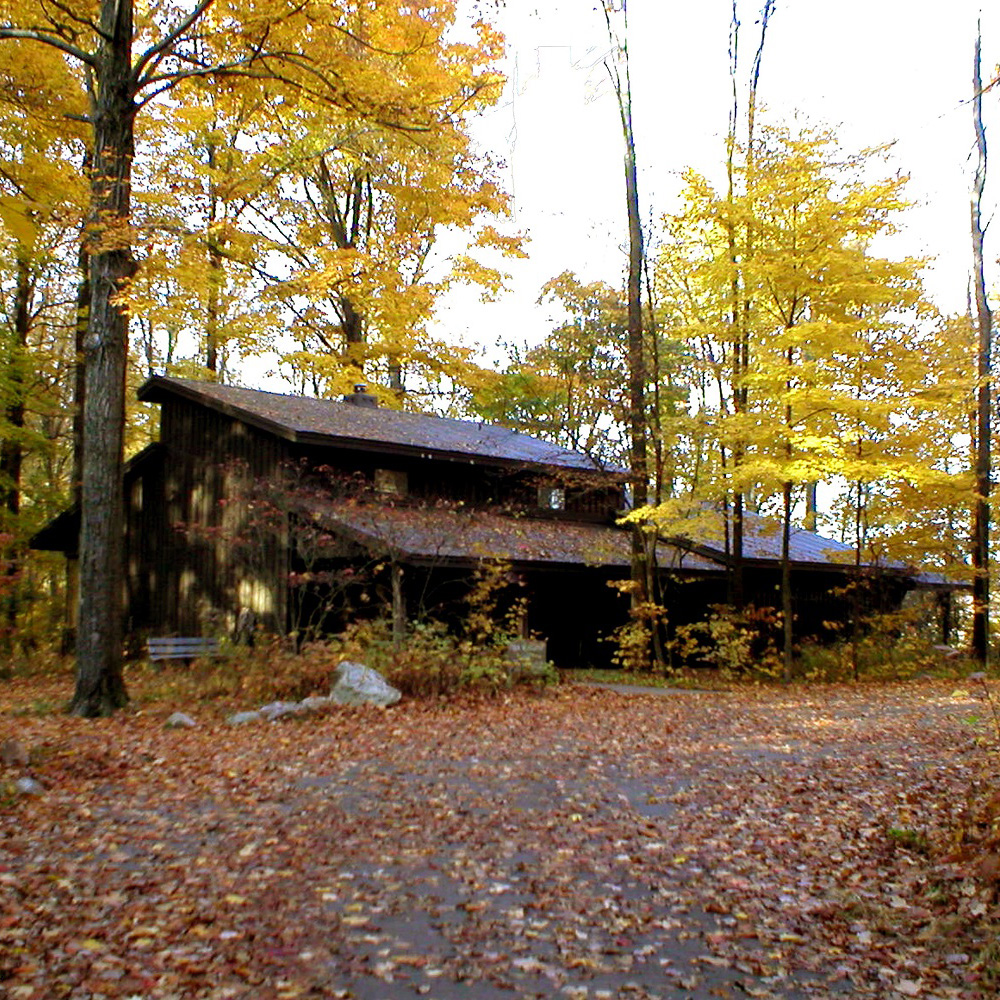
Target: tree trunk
[398,607]
[742,310]
[12,447]
[855,584]
[787,623]
[100,687]
[636,347]
[72,612]
[786,533]
[216,274]
[812,508]
[981,508]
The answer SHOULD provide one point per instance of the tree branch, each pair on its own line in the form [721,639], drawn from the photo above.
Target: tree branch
[154,52]
[33,35]
[73,16]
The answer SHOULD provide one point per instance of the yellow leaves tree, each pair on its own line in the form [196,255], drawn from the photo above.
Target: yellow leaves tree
[41,209]
[365,205]
[373,65]
[826,380]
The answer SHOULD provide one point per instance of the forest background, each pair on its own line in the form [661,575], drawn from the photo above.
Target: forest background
[336,227]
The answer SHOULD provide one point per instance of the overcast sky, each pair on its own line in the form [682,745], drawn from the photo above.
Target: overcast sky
[876,70]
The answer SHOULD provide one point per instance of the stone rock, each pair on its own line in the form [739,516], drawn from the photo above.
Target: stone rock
[13,753]
[357,684]
[949,652]
[242,718]
[315,703]
[279,710]
[28,786]
[180,721]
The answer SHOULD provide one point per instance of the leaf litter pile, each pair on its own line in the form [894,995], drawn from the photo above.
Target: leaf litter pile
[580,843]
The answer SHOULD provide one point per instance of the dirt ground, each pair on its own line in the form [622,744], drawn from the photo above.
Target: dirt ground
[578,842]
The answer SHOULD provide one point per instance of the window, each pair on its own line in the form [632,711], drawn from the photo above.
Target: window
[391,481]
[551,498]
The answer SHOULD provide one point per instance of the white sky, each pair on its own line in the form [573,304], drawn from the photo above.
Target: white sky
[876,70]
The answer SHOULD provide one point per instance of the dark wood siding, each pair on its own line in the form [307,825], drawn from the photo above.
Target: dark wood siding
[589,497]
[183,578]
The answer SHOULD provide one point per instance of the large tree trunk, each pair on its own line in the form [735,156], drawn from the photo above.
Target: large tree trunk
[742,310]
[981,507]
[100,687]
[72,614]
[216,273]
[11,449]
[639,466]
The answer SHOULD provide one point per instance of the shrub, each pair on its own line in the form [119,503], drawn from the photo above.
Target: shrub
[430,662]
[739,644]
[267,672]
[895,645]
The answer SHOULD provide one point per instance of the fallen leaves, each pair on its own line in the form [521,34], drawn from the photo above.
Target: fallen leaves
[580,843]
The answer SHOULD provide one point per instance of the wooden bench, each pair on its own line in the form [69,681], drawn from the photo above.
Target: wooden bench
[182,648]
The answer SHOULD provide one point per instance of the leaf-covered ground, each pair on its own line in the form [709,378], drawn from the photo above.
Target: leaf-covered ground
[579,842]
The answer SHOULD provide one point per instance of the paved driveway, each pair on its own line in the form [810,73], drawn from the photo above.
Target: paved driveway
[580,843]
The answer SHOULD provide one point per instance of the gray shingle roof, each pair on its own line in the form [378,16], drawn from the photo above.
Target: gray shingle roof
[436,533]
[762,540]
[300,418]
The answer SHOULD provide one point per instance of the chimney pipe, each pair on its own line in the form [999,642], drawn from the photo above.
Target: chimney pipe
[361,396]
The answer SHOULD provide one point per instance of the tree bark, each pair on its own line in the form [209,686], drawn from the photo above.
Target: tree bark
[12,447]
[398,607]
[100,687]
[981,506]
[635,343]
[787,623]
[216,274]
[72,612]
[741,303]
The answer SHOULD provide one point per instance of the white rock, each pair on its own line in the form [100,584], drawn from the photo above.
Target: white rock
[277,709]
[242,718]
[179,720]
[28,786]
[315,703]
[357,684]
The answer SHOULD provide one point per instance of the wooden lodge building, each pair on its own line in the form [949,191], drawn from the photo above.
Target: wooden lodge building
[307,511]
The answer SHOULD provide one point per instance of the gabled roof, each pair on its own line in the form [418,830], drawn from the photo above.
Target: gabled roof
[308,420]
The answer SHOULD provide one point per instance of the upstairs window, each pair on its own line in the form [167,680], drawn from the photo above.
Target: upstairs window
[391,481]
[551,498]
